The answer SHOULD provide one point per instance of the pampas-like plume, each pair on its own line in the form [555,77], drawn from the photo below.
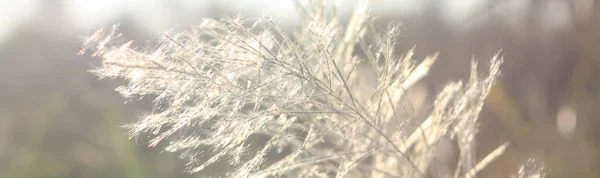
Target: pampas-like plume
[222,85]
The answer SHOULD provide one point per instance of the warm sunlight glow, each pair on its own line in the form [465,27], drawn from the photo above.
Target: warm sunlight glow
[566,121]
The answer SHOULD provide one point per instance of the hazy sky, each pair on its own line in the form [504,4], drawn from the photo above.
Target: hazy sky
[160,15]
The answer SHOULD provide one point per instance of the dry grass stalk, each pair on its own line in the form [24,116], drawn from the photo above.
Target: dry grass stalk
[219,86]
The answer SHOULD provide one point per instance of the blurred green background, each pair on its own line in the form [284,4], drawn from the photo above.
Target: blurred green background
[58,120]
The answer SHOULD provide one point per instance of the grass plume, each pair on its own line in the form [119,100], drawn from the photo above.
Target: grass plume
[220,86]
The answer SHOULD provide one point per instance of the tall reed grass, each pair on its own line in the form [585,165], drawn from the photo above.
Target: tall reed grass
[247,95]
